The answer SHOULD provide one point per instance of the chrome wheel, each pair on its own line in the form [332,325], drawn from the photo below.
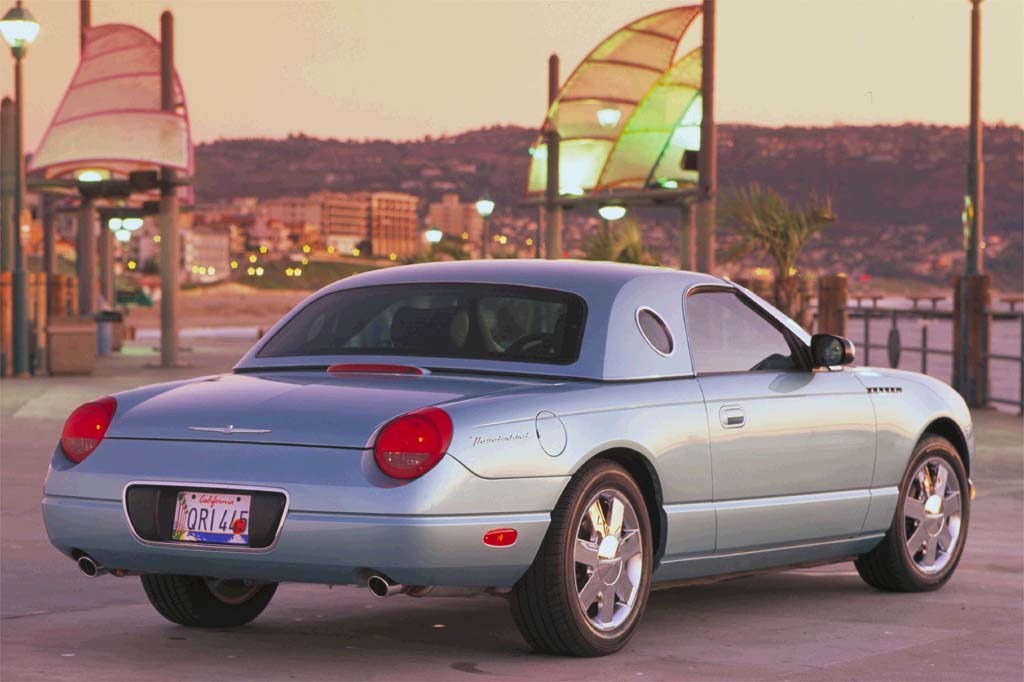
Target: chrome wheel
[609,560]
[932,514]
[233,590]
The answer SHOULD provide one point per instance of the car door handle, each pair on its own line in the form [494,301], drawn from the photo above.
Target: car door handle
[732,416]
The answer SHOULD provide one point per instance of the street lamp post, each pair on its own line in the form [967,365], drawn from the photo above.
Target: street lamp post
[19,29]
[485,206]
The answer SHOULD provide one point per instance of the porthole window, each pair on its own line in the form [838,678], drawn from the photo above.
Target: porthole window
[655,331]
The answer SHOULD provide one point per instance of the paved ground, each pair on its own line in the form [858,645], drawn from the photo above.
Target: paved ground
[810,624]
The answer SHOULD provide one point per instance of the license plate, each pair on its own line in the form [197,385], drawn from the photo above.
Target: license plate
[220,518]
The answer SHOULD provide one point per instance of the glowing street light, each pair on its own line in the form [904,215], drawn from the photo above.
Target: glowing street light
[131,224]
[612,212]
[485,207]
[122,235]
[433,235]
[93,175]
[608,118]
[19,28]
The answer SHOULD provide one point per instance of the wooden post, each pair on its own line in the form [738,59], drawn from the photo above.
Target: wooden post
[970,363]
[6,326]
[832,317]
[38,308]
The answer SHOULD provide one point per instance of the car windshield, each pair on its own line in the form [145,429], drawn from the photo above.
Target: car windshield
[474,321]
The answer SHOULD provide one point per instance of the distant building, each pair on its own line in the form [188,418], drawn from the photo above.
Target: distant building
[377,223]
[294,210]
[206,254]
[457,220]
[394,224]
[345,222]
[386,222]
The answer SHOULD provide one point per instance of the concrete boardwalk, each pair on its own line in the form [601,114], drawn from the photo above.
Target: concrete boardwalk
[804,625]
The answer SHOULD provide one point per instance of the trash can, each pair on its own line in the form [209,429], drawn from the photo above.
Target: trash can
[105,321]
[71,345]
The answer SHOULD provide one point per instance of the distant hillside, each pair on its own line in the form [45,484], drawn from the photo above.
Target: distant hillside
[881,177]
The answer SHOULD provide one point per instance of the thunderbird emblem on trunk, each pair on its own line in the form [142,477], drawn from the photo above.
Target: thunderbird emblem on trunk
[229,429]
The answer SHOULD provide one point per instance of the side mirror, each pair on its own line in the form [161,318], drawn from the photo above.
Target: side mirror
[829,350]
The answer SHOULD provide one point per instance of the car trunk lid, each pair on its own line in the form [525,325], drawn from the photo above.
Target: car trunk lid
[312,408]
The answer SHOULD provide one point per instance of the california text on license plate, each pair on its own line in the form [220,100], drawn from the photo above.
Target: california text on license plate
[212,517]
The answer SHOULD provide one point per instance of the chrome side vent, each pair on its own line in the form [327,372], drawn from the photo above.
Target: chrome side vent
[884,389]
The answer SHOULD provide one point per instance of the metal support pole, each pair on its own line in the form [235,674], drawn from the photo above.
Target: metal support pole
[19,278]
[538,242]
[485,236]
[84,21]
[7,219]
[687,237]
[86,257]
[553,210]
[973,205]
[106,253]
[707,160]
[973,214]
[47,215]
[169,244]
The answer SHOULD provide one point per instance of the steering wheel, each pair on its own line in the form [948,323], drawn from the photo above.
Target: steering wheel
[532,343]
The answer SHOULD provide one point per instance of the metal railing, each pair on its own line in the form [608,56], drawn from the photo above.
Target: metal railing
[928,350]
[1011,315]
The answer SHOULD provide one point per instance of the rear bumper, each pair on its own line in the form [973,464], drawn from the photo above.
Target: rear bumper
[312,547]
[343,516]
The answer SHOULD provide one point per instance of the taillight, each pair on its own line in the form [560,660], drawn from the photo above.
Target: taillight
[86,427]
[412,444]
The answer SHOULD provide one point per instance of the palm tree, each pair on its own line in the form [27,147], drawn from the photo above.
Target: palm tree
[623,243]
[765,222]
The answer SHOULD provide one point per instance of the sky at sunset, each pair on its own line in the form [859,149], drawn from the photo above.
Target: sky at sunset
[403,69]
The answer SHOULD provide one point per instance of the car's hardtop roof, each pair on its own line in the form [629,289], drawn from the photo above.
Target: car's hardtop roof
[566,275]
[612,348]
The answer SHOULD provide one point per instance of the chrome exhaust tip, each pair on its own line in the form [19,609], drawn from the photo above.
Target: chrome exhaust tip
[383,587]
[89,566]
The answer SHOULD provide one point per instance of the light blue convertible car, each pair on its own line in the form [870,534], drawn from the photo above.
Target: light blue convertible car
[564,434]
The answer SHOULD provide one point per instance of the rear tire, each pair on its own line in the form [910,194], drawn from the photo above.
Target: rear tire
[587,588]
[198,602]
[929,529]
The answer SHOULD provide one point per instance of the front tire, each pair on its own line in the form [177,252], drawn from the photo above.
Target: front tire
[587,589]
[923,546]
[198,602]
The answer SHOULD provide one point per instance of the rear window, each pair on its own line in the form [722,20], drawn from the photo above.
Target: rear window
[468,321]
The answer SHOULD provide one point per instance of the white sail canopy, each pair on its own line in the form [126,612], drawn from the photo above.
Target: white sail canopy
[110,119]
[626,115]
